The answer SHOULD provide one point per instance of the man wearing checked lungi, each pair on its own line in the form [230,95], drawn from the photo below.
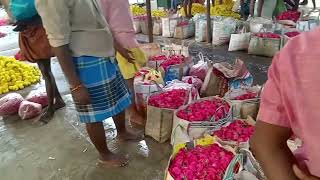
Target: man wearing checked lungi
[83,43]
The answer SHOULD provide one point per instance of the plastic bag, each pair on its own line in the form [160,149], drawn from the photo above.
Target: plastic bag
[9,104]
[38,97]
[222,30]
[239,41]
[23,9]
[200,69]
[29,110]
[200,28]
[196,82]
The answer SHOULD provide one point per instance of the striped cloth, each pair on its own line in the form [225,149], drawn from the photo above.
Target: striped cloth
[107,89]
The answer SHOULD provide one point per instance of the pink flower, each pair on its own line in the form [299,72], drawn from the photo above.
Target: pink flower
[268,35]
[248,95]
[202,162]
[292,34]
[196,82]
[159,58]
[172,60]
[172,99]
[238,131]
[289,15]
[205,110]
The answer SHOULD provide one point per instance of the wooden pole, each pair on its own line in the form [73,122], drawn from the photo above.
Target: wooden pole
[149,19]
[208,22]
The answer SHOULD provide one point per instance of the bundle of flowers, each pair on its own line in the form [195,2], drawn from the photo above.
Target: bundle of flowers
[172,60]
[289,15]
[292,34]
[238,131]
[172,99]
[202,162]
[268,35]
[137,10]
[205,110]
[247,95]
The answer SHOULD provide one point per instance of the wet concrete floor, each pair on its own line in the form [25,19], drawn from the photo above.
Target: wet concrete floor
[61,150]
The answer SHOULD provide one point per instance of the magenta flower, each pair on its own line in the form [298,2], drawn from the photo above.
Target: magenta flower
[172,99]
[205,110]
[289,15]
[268,35]
[292,34]
[172,60]
[247,95]
[238,131]
[202,162]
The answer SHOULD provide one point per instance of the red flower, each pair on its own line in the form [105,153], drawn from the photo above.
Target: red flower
[202,162]
[237,131]
[205,110]
[292,34]
[172,60]
[172,99]
[268,35]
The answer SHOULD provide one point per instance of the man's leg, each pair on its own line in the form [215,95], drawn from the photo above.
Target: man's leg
[314,4]
[44,66]
[98,138]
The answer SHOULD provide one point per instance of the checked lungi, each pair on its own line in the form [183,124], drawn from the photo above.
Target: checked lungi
[107,88]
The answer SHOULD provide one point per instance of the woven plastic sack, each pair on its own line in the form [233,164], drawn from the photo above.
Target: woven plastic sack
[222,30]
[200,28]
[168,25]
[239,41]
[38,97]
[23,9]
[9,104]
[29,110]
[264,46]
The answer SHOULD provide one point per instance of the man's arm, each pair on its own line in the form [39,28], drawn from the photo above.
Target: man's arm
[269,145]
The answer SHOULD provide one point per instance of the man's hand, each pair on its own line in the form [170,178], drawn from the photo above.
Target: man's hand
[302,175]
[124,52]
[81,96]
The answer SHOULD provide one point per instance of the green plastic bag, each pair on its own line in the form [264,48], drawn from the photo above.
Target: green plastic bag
[280,8]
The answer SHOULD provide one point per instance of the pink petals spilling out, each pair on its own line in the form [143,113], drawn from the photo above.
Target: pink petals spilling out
[172,99]
[172,60]
[205,110]
[268,35]
[202,162]
[292,34]
[237,131]
[248,95]
[159,58]
[4,22]
[289,15]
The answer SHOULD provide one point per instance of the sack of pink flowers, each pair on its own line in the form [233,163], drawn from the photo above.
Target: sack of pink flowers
[160,110]
[265,44]
[245,101]
[235,134]
[200,159]
[192,121]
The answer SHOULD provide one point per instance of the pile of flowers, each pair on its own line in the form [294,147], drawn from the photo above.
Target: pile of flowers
[268,35]
[247,95]
[237,131]
[151,76]
[205,110]
[202,162]
[15,75]
[289,15]
[197,8]
[137,10]
[172,60]
[224,10]
[292,34]
[159,58]
[157,13]
[183,23]
[172,99]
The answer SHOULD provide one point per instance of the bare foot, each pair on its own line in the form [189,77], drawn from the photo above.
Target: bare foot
[59,104]
[127,136]
[114,160]
[47,115]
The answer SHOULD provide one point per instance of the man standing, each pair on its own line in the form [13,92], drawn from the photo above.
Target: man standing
[290,107]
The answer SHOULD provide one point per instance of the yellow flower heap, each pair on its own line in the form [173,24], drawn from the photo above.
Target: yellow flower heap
[196,9]
[225,9]
[16,75]
[158,13]
[137,10]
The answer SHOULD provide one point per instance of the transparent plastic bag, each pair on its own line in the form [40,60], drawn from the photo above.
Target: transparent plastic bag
[9,104]
[200,69]
[196,82]
[38,97]
[29,110]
